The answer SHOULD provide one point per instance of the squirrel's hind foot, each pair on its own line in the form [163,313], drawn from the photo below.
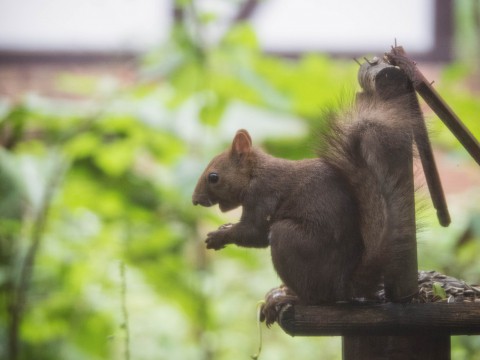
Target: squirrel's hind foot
[275,300]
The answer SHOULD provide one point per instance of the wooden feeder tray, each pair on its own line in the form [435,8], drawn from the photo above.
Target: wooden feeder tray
[444,305]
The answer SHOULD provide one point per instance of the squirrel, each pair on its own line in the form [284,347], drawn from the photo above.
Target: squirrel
[327,219]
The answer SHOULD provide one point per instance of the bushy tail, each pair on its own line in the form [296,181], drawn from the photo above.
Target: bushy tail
[371,143]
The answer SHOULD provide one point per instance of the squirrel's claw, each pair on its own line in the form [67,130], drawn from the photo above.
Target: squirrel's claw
[275,300]
[212,245]
[215,240]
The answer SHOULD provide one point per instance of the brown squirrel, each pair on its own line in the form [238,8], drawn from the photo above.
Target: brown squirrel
[326,219]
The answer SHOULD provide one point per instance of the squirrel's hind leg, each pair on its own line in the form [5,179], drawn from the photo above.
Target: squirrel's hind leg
[312,261]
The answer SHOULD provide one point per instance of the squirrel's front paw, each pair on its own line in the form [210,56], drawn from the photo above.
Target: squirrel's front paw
[216,240]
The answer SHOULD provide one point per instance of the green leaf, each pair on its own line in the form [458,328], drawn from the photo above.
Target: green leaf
[12,187]
[82,145]
[211,113]
[242,35]
[439,291]
[115,158]
[208,17]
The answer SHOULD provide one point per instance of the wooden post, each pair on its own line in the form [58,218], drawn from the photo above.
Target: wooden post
[400,277]
[388,81]
[396,347]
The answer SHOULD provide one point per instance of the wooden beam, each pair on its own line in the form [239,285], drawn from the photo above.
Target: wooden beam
[391,319]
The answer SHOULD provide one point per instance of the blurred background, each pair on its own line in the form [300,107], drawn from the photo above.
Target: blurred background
[109,111]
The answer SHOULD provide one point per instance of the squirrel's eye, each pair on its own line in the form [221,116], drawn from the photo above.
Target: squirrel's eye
[213,178]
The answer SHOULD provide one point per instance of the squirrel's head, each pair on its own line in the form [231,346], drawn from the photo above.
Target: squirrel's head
[226,178]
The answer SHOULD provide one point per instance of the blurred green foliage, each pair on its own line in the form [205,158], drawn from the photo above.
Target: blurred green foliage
[90,185]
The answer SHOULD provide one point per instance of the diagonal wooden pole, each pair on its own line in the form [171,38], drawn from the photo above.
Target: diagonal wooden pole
[398,57]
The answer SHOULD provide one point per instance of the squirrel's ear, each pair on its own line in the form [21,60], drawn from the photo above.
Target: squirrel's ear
[242,143]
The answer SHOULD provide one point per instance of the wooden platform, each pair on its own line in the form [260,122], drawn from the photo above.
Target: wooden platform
[381,319]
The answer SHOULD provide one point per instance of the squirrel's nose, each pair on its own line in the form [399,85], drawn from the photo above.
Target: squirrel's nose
[202,199]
